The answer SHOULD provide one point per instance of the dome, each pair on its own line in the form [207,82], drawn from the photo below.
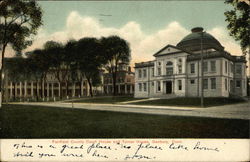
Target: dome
[192,42]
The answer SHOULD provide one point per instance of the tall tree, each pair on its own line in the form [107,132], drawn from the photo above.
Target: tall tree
[239,22]
[55,52]
[89,60]
[38,64]
[19,20]
[115,51]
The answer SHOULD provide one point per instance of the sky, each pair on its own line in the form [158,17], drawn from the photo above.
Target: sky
[148,26]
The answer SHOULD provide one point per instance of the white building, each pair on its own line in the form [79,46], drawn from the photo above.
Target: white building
[176,70]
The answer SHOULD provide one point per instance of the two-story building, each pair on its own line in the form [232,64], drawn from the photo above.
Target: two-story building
[176,70]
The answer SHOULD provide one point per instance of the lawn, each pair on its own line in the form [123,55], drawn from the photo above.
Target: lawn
[107,99]
[18,121]
[195,102]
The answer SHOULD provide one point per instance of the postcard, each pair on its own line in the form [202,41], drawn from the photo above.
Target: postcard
[124,80]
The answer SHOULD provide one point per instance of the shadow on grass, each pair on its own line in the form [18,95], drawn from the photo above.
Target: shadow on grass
[18,121]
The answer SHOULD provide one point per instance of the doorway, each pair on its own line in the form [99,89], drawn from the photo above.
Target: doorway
[168,87]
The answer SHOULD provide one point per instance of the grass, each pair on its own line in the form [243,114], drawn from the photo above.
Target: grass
[18,121]
[195,102]
[107,99]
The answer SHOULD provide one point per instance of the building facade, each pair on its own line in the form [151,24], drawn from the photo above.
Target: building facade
[124,81]
[176,70]
[50,89]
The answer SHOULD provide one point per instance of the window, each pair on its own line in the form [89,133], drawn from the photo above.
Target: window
[169,71]
[145,86]
[225,66]
[192,81]
[205,83]
[159,63]
[180,84]
[153,72]
[140,73]
[158,85]
[169,68]
[205,68]
[213,66]
[179,69]
[213,83]
[144,73]
[180,66]
[226,84]
[159,71]
[232,67]
[152,84]
[140,87]
[238,83]
[238,69]
[192,68]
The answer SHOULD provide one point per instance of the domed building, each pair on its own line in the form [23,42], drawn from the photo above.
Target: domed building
[176,70]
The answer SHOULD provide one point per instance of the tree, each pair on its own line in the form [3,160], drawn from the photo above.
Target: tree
[238,22]
[38,64]
[55,52]
[19,20]
[116,51]
[16,70]
[89,61]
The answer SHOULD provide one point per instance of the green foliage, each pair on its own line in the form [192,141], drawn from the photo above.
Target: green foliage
[16,68]
[19,20]
[115,51]
[238,22]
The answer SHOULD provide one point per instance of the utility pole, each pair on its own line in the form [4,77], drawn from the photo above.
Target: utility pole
[202,91]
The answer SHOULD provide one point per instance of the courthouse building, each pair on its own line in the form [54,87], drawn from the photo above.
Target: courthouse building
[176,70]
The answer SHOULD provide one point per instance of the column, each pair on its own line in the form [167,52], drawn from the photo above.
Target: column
[43,89]
[31,89]
[47,90]
[59,90]
[74,90]
[119,88]
[52,89]
[25,88]
[15,89]
[11,93]
[125,86]
[20,87]
[131,89]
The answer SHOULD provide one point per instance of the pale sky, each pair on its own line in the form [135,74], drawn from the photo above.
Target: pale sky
[148,26]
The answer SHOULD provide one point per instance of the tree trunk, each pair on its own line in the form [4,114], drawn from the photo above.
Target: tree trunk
[114,83]
[90,87]
[1,72]
[60,89]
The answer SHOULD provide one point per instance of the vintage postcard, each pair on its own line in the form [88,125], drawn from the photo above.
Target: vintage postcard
[124,80]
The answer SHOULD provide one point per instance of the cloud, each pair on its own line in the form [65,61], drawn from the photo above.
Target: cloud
[143,45]
[228,42]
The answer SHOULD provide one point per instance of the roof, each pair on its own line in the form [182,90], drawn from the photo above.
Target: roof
[217,54]
[169,45]
[192,41]
[144,64]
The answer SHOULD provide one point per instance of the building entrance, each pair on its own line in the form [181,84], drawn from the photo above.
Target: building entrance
[168,87]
